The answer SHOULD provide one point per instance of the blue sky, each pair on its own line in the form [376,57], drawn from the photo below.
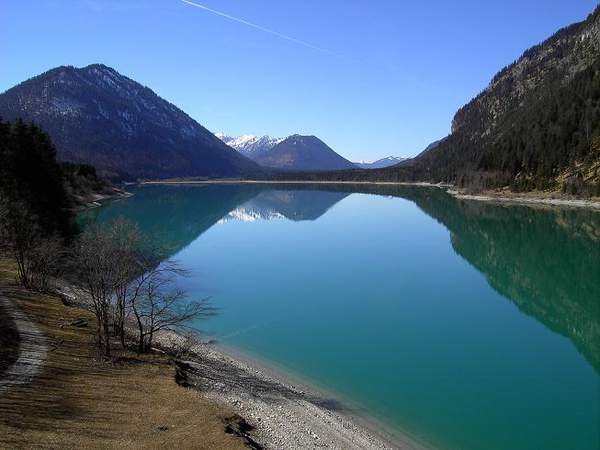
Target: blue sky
[371,78]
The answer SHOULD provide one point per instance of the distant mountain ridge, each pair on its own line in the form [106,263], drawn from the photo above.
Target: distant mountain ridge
[388,161]
[293,153]
[97,116]
[300,153]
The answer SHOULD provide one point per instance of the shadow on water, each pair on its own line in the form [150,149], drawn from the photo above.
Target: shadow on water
[545,260]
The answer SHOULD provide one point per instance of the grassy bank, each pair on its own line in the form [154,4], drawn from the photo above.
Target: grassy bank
[79,402]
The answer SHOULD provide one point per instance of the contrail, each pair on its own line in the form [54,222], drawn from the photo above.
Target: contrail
[386,67]
[263,29]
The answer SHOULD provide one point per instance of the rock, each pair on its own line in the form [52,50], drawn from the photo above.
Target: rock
[67,300]
[79,323]
[238,426]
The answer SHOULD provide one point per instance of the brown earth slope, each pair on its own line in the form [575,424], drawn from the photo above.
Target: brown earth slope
[79,402]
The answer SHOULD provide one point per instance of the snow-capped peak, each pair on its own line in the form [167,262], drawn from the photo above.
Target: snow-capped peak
[249,143]
[238,141]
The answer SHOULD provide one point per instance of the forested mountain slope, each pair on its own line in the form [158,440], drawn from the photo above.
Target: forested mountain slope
[97,116]
[535,127]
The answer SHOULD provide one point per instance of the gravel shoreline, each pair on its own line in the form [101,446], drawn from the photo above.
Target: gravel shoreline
[284,415]
[527,199]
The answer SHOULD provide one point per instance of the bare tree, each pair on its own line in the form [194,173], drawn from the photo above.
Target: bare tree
[121,272]
[99,273]
[22,236]
[134,257]
[37,257]
[158,307]
[45,263]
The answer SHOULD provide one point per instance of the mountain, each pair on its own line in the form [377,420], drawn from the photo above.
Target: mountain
[537,124]
[292,153]
[535,127]
[249,145]
[302,153]
[380,163]
[97,116]
[431,146]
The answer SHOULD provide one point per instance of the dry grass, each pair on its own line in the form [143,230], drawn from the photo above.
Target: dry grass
[78,402]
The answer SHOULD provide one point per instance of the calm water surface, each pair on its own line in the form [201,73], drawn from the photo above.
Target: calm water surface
[469,325]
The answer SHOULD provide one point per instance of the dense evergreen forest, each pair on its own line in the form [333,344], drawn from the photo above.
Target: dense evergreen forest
[36,189]
[551,142]
[33,187]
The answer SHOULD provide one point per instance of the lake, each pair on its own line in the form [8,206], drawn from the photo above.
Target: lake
[466,324]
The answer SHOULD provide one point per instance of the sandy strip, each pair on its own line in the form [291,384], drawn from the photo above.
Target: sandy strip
[32,348]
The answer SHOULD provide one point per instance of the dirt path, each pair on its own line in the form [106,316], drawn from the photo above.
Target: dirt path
[32,348]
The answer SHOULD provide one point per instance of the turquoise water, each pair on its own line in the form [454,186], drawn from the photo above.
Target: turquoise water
[469,325]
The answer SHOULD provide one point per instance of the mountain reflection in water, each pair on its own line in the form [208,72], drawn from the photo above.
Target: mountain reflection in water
[544,260]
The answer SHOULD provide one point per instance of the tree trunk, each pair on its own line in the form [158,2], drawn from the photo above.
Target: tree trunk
[106,337]
[150,338]
[140,332]
[99,332]
[119,326]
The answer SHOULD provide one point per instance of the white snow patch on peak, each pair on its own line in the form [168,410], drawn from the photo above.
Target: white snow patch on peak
[236,141]
[249,143]
[243,140]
